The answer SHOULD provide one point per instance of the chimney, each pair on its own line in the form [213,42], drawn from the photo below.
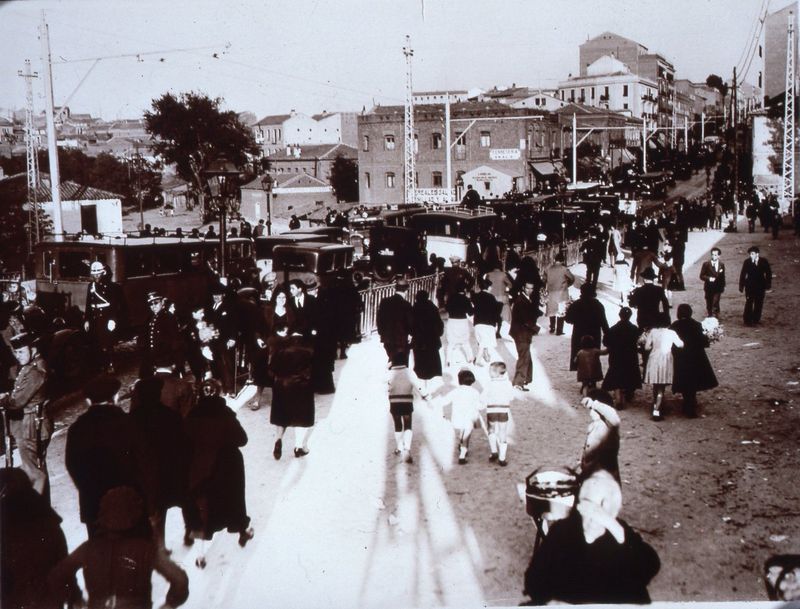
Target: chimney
[288,150]
[297,152]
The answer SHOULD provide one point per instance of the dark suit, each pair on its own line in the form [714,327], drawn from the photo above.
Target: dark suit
[713,285]
[105,302]
[649,300]
[106,449]
[394,321]
[159,342]
[303,319]
[223,317]
[524,314]
[754,280]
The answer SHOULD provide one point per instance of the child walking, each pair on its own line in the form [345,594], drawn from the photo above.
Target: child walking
[465,415]
[590,370]
[402,384]
[497,398]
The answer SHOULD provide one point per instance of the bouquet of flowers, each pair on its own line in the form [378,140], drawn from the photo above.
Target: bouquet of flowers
[712,329]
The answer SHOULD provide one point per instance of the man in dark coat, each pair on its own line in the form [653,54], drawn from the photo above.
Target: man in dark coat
[105,312]
[471,198]
[623,375]
[105,449]
[693,371]
[754,280]
[303,309]
[524,314]
[160,339]
[162,430]
[394,321]
[592,250]
[712,274]
[222,315]
[649,300]
[588,318]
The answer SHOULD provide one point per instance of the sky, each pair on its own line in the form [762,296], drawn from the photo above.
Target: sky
[273,56]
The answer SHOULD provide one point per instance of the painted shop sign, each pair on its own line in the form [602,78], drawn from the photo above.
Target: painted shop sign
[504,154]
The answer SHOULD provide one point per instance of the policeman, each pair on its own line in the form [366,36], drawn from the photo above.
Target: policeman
[160,340]
[28,421]
[104,310]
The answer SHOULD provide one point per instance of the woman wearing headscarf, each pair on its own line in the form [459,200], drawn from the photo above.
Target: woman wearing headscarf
[693,371]
[216,488]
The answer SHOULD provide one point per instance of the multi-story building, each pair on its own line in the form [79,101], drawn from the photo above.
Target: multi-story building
[494,148]
[652,66]
[314,160]
[425,98]
[274,133]
[611,85]
[541,99]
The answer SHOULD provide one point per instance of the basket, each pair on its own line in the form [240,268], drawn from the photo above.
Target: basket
[550,492]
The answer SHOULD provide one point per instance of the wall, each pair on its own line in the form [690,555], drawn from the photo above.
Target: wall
[284,202]
[109,215]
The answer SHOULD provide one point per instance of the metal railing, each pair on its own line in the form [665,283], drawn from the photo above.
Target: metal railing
[371,297]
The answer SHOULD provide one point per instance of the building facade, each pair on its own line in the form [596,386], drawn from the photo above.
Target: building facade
[775,37]
[316,160]
[493,145]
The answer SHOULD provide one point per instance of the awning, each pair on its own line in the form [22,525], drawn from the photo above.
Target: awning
[544,168]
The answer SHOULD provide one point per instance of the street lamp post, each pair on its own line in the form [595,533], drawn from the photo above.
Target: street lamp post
[267,183]
[222,179]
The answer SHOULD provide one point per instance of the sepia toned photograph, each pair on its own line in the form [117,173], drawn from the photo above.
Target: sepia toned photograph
[354,304]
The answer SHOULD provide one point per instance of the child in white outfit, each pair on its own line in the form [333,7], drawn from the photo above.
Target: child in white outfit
[465,416]
[497,398]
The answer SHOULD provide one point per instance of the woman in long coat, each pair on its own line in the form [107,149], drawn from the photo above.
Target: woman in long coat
[624,375]
[588,318]
[291,363]
[558,278]
[426,337]
[216,471]
[693,371]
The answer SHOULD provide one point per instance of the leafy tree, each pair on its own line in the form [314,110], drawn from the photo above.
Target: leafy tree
[344,178]
[716,82]
[192,132]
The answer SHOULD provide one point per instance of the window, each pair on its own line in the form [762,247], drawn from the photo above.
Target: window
[365,143]
[390,180]
[583,94]
[437,179]
[572,95]
[625,106]
[461,146]
[592,92]
[605,92]
[416,144]
[367,180]
[624,90]
[388,142]
[486,139]
[436,141]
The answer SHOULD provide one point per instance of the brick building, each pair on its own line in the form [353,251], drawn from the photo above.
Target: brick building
[494,150]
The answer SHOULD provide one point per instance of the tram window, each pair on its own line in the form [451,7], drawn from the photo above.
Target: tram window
[169,260]
[74,265]
[138,263]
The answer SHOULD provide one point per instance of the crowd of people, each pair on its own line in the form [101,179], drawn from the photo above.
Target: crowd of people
[180,444]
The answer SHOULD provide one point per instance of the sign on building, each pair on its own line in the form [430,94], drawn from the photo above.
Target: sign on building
[504,154]
[435,195]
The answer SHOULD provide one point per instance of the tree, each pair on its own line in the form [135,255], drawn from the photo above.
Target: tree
[716,82]
[192,132]
[344,178]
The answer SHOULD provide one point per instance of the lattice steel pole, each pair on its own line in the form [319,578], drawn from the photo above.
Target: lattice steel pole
[409,159]
[787,194]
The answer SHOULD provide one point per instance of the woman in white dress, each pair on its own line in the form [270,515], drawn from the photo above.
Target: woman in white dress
[659,343]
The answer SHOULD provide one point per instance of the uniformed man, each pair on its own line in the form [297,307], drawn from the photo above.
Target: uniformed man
[28,421]
[160,339]
[105,305]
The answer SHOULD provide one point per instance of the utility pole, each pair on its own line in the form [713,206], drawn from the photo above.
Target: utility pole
[574,148]
[409,157]
[52,138]
[787,192]
[31,154]
[447,157]
[734,113]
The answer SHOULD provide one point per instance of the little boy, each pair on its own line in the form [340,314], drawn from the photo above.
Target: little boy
[497,398]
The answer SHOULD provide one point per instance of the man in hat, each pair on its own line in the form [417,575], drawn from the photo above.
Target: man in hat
[222,316]
[754,280]
[160,339]
[524,314]
[650,300]
[105,449]
[105,306]
[28,421]
[394,321]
